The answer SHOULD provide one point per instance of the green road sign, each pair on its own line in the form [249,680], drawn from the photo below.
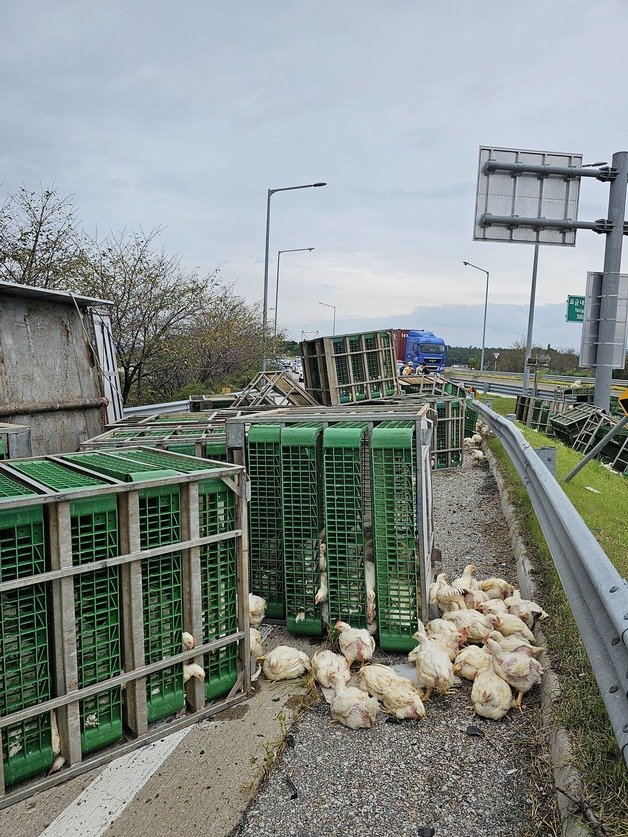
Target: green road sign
[575,309]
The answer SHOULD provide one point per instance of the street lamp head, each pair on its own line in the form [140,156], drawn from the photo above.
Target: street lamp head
[465,263]
[319,184]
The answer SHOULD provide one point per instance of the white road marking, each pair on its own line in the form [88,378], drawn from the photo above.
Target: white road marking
[102,802]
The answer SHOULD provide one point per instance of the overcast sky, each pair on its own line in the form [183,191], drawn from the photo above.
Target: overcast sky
[182,115]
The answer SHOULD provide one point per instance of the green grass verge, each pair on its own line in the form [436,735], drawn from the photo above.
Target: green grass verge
[580,709]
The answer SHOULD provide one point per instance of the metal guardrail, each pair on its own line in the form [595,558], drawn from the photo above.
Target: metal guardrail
[597,594]
[469,374]
[168,407]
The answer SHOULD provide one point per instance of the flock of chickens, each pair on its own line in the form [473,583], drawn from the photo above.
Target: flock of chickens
[484,635]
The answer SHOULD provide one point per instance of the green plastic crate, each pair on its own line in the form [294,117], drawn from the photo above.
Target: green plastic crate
[447,452]
[344,507]
[160,524]
[394,492]
[163,460]
[568,426]
[301,494]
[218,585]
[24,652]
[470,419]
[94,528]
[121,465]
[265,519]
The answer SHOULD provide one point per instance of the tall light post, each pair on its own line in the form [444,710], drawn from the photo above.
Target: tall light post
[279,252]
[265,304]
[327,305]
[468,264]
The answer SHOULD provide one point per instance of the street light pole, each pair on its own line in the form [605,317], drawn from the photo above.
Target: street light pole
[279,252]
[265,303]
[468,264]
[327,305]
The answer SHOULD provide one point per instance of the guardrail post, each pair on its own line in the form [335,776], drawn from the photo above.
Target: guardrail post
[547,455]
[66,668]
[191,577]
[135,710]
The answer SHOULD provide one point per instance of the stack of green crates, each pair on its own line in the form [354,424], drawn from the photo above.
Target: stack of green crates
[344,503]
[393,467]
[568,426]
[301,468]
[94,527]
[265,520]
[24,657]
[164,437]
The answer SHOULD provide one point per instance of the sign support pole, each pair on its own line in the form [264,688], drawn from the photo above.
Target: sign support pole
[610,282]
[526,368]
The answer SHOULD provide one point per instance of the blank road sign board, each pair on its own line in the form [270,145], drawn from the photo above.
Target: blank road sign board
[575,309]
[526,195]
[591,322]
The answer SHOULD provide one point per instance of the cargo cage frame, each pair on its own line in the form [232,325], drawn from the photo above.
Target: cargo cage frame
[62,633]
[371,416]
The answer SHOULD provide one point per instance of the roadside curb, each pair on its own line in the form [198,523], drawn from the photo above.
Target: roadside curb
[565,775]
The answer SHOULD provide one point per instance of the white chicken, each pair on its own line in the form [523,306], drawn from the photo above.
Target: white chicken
[398,695]
[446,596]
[193,670]
[356,644]
[373,678]
[447,635]
[330,669]
[55,741]
[477,626]
[514,642]
[369,575]
[467,581]
[321,593]
[495,606]
[434,670]
[476,439]
[496,588]
[508,624]
[354,708]
[187,641]
[525,609]
[490,694]
[257,610]
[519,670]
[285,663]
[477,457]
[470,661]
[255,643]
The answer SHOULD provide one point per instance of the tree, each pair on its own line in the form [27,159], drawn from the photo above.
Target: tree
[40,239]
[220,346]
[155,300]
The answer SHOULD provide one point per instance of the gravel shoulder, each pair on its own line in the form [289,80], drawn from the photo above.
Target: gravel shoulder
[401,776]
